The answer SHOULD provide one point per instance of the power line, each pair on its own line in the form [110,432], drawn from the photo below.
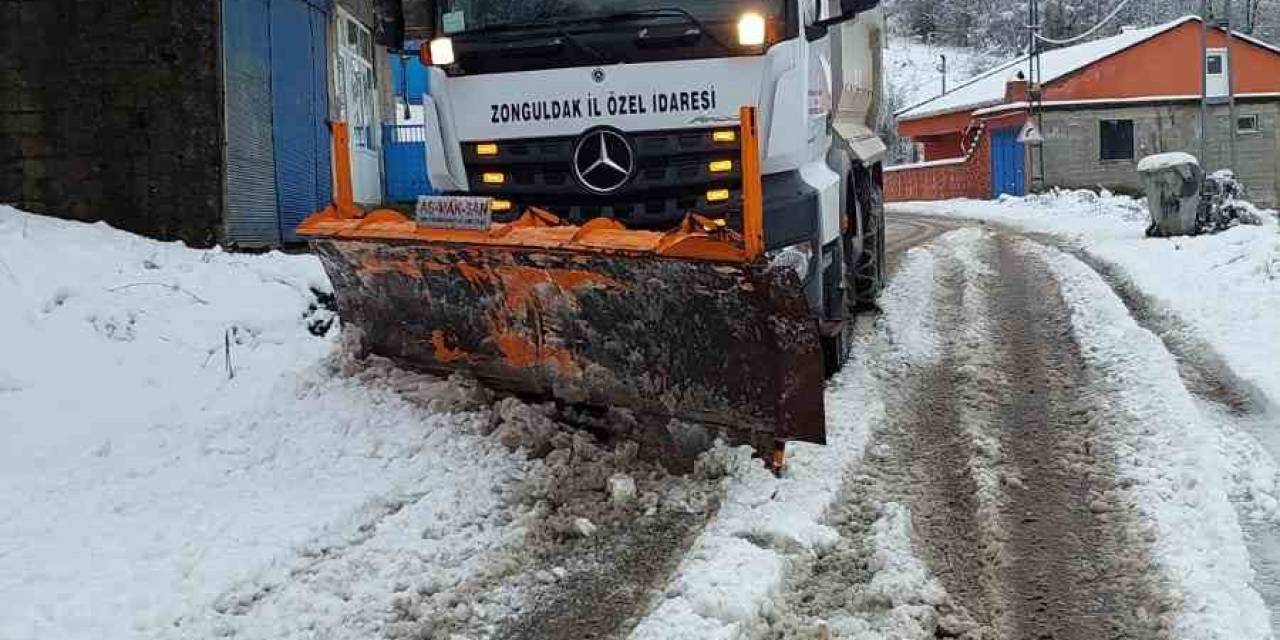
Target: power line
[1114,12]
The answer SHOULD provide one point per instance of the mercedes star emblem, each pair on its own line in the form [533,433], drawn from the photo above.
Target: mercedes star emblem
[603,160]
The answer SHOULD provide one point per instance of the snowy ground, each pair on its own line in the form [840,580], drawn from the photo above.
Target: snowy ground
[190,454]
[1226,287]
[140,479]
[1214,304]
[185,457]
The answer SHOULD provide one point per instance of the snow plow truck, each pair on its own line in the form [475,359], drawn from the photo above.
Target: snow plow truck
[669,207]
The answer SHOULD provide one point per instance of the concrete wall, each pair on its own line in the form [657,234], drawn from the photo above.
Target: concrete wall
[112,111]
[1072,148]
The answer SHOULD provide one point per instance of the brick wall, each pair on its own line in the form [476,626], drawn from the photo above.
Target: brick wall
[112,110]
[940,180]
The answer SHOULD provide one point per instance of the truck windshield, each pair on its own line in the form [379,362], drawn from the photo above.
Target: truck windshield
[458,16]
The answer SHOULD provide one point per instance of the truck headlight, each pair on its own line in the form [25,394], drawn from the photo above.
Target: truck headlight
[751,29]
[795,257]
[442,51]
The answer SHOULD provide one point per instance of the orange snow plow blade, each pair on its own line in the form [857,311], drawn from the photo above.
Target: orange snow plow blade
[689,323]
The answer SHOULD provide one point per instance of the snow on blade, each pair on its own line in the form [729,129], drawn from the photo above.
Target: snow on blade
[1170,458]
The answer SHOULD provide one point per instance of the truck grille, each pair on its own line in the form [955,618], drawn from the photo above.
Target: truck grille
[672,177]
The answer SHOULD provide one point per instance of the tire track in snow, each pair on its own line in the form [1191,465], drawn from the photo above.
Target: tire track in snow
[1007,494]
[1074,567]
[938,469]
[915,488]
[1170,463]
[1243,415]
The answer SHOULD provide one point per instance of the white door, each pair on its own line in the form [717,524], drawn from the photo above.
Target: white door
[358,107]
[1216,72]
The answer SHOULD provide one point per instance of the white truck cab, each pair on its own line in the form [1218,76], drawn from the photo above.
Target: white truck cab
[623,109]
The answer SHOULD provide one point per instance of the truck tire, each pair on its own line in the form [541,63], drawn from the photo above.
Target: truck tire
[836,347]
[869,265]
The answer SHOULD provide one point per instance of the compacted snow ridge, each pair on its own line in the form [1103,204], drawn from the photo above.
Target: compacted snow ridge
[1172,460]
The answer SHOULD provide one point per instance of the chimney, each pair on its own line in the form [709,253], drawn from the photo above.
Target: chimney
[1016,90]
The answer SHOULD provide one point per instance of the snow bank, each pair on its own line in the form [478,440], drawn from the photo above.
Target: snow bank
[1074,212]
[176,437]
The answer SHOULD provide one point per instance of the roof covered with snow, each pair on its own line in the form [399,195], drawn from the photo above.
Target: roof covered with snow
[989,88]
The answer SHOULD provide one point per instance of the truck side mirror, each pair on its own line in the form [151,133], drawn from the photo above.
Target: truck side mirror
[388,28]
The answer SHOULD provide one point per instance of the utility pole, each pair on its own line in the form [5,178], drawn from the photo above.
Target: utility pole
[1204,83]
[1035,95]
[943,68]
[1231,90]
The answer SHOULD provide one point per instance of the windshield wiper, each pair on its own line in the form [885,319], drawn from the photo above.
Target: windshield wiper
[659,12]
[556,25]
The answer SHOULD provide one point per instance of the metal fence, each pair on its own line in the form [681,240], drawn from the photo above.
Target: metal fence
[404,152]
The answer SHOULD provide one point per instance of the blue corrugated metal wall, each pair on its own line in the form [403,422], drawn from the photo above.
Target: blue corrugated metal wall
[299,103]
[250,179]
[1007,159]
[320,80]
[278,155]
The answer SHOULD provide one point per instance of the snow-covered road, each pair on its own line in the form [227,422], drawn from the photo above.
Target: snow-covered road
[1038,435]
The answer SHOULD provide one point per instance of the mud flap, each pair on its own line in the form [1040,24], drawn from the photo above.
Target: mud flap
[731,346]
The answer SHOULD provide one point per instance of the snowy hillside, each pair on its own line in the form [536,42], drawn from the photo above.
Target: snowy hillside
[913,69]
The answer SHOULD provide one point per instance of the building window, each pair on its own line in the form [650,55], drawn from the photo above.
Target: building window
[1247,124]
[1116,139]
[357,82]
[1214,64]
[1215,68]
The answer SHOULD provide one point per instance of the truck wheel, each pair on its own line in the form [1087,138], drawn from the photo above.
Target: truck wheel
[836,347]
[869,267]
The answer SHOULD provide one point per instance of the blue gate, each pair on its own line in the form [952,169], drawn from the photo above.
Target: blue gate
[404,151]
[404,148]
[408,75]
[1007,159]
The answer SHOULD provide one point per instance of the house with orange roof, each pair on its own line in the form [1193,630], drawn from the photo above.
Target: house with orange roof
[1104,105]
